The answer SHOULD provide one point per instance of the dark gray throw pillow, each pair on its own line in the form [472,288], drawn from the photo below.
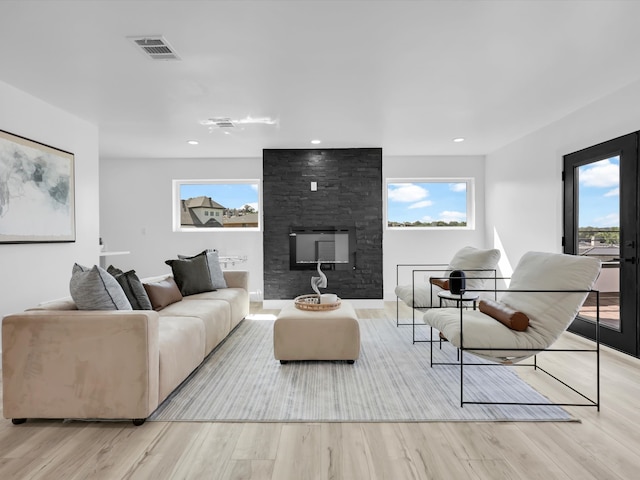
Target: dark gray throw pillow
[191,274]
[94,289]
[215,271]
[132,287]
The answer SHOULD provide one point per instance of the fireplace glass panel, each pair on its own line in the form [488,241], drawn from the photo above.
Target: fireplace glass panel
[333,246]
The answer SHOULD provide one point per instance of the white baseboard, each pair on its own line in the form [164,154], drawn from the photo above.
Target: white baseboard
[357,303]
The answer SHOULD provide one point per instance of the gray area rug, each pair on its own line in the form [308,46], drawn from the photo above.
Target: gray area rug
[391,382]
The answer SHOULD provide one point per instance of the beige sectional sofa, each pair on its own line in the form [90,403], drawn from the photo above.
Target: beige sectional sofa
[60,362]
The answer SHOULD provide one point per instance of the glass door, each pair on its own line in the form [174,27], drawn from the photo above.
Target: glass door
[601,220]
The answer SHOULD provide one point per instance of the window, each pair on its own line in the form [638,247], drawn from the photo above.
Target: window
[220,205]
[429,203]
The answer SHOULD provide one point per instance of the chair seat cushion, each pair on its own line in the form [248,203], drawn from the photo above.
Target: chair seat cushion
[426,296]
[483,332]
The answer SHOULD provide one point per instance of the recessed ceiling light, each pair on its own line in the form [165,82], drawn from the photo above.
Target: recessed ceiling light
[193,142]
[315,142]
[458,140]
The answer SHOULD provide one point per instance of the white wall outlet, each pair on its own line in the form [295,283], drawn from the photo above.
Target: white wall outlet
[314,186]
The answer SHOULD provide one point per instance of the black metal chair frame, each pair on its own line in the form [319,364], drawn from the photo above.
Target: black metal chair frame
[416,269]
[589,402]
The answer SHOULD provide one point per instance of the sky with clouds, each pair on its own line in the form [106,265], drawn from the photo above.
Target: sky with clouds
[446,201]
[599,194]
[426,202]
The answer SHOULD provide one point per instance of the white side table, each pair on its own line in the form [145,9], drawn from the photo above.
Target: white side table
[108,254]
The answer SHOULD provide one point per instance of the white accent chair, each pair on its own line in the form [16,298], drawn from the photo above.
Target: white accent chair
[548,288]
[477,264]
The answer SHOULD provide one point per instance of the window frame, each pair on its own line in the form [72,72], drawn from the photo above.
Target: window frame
[175,215]
[470,202]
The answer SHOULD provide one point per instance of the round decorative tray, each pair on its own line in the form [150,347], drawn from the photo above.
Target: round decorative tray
[312,303]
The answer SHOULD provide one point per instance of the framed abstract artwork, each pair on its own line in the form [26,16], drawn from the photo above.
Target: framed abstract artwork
[37,199]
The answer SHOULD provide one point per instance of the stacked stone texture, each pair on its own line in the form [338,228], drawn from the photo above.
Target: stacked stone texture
[349,194]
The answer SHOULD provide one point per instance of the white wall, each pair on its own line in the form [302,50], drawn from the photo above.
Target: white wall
[431,246]
[135,214]
[136,209]
[523,179]
[32,273]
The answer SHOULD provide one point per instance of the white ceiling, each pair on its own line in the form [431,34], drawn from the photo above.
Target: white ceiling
[407,76]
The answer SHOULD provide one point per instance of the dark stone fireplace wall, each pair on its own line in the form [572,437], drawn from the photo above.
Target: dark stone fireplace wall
[349,193]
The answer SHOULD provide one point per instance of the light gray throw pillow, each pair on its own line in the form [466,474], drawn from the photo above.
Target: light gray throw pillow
[217,277]
[94,289]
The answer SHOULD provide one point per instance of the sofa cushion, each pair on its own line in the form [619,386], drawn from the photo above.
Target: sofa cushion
[237,298]
[132,287]
[162,293]
[214,314]
[191,274]
[213,264]
[94,289]
[181,343]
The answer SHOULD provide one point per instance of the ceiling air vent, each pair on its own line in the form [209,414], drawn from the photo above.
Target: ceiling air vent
[155,47]
[220,122]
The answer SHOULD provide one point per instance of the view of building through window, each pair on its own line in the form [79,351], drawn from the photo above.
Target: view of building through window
[217,204]
[429,203]
[599,233]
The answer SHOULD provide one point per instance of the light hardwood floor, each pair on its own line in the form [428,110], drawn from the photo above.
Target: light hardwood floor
[604,445]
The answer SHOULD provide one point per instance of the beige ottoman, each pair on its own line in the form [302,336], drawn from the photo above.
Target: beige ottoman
[324,335]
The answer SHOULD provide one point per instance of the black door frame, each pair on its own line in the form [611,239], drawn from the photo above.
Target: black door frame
[626,147]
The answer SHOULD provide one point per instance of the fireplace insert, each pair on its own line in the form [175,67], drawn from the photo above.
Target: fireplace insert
[335,247]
